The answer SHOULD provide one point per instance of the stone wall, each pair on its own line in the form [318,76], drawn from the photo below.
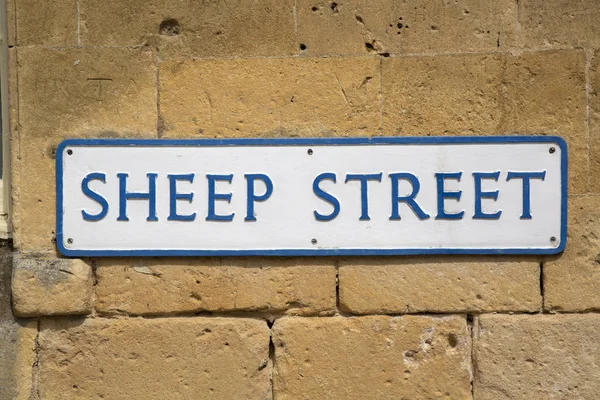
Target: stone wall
[300,328]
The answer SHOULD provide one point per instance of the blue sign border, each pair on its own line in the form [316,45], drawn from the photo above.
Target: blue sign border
[311,142]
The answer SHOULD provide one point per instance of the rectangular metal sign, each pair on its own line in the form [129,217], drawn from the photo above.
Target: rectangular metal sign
[346,196]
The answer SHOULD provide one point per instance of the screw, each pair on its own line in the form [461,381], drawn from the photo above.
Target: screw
[69,152]
[552,150]
[553,239]
[310,151]
[314,241]
[70,241]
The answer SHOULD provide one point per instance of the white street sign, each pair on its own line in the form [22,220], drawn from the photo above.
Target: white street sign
[460,195]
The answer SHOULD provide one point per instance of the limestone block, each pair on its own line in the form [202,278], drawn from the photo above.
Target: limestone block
[43,285]
[270,97]
[439,284]
[376,357]
[559,23]
[140,287]
[49,23]
[155,359]
[498,94]
[198,28]
[536,357]
[572,280]
[100,92]
[387,26]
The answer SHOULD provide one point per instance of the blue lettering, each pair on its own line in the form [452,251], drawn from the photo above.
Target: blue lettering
[526,177]
[174,196]
[252,197]
[85,188]
[124,196]
[478,176]
[213,197]
[442,195]
[326,196]
[364,198]
[410,199]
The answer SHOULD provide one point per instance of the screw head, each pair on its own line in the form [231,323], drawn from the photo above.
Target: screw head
[552,150]
[69,152]
[314,241]
[70,241]
[553,239]
[310,151]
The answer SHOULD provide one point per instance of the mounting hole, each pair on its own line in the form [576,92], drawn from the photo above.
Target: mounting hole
[552,150]
[310,152]
[313,241]
[70,240]
[69,152]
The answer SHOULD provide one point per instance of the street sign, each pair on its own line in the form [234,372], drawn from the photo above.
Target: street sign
[297,197]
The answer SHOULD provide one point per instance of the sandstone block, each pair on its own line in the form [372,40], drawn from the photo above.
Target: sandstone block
[491,95]
[199,28]
[49,23]
[293,286]
[270,97]
[87,92]
[559,23]
[42,285]
[155,359]
[376,357]
[572,280]
[594,97]
[385,26]
[466,284]
[536,357]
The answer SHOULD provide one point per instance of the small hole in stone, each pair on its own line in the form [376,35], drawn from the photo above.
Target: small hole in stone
[302,46]
[170,27]
[334,6]
[310,151]
[400,26]
[315,8]
[452,340]
[69,152]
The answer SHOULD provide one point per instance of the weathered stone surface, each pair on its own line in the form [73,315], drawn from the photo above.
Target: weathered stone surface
[465,284]
[50,23]
[493,94]
[426,95]
[536,357]
[270,97]
[200,28]
[572,280]
[386,26]
[87,92]
[559,23]
[293,286]
[17,355]
[594,97]
[71,93]
[375,357]
[43,285]
[152,359]
[17,340]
